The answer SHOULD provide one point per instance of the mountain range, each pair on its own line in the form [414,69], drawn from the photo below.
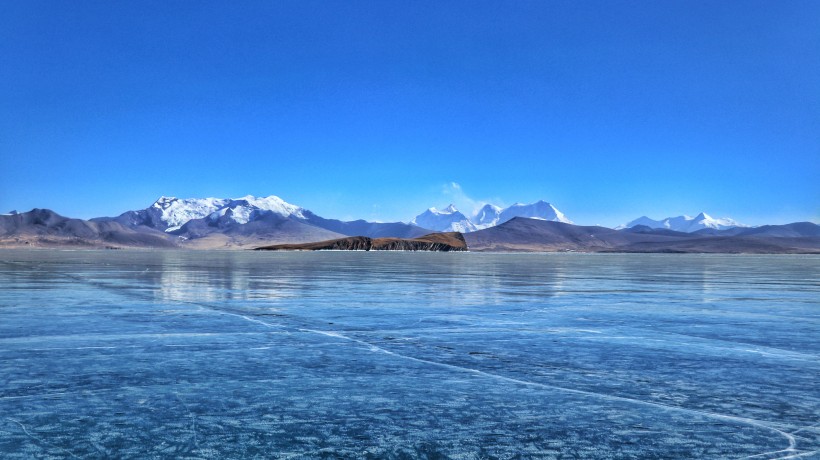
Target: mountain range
[685,223]
[451,220]
[532,235]
[250,222]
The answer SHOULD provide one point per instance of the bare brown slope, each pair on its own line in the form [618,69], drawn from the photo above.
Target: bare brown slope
[46,228]
[531,235]
[441,242]
[268,230]
[729,245]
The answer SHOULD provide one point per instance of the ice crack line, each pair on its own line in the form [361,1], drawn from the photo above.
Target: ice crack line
[798,455]
[743,420]
[38,440]
[192,416]
[792,442]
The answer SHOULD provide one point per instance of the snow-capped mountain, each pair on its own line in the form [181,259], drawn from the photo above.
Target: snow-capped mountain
[446,220]
[451,220]
[685,223]
[487,216]
[170,214]
[249,208]
[538,210]
[267,217]
[174,212]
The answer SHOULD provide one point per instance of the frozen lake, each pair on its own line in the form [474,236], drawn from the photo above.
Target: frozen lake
[143,354]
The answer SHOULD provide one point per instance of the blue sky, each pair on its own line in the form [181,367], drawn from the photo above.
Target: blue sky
[608,109]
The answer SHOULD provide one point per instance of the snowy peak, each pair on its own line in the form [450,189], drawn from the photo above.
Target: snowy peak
[487,216]
[248,208]
[446,211]
[644,221]
[450,219]
[538,210]
[685,223]
[705,221]
[447,220]
[164,202]
[172,213]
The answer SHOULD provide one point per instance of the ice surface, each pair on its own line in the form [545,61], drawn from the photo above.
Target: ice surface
[135,354]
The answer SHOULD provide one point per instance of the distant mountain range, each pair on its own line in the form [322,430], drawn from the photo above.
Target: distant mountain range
[451,220]
[45,228]
[685,223]
[250,222]
[532,235]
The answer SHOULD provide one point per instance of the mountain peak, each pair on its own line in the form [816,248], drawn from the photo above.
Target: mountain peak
[487,216]
[539,210]
[451,209]
[447,220]
[450,219]
[171,213]
[164,201]
[685,223]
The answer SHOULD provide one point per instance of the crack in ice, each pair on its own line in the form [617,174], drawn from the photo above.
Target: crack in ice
[792,442]
[743,420]
[38,440]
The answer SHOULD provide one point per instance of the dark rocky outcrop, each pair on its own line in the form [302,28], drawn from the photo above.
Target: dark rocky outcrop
[439,242]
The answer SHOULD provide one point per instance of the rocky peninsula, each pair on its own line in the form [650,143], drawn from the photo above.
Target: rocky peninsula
[438,242]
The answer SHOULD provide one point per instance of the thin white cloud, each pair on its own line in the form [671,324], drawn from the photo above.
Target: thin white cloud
[453,192]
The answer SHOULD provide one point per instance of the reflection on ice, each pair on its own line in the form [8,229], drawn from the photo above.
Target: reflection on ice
[229,280]
[351,355]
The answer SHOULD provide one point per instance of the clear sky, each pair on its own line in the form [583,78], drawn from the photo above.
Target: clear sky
[608,109]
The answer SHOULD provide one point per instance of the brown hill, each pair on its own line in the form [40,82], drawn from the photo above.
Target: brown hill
[46,228]
[441,242]
[532,235]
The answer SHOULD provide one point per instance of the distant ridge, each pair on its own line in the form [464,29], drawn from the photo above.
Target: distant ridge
[46,228]
[250,222]
[532,235]
[685,223]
